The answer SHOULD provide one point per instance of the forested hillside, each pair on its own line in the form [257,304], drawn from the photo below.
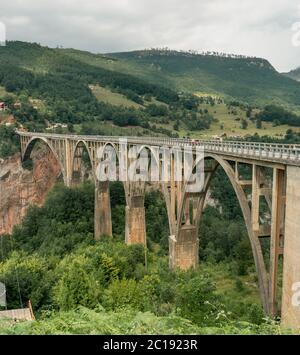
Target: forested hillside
[79,286]
[251,80]
[294,74]
[155,92]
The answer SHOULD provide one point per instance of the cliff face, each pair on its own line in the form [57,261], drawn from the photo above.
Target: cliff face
[20,188]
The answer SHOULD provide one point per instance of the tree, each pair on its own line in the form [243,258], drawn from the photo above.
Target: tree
[258,123]
[196,299]
[278,114]
[249,112]
[25,277]
[123,294]
[176,125]
[244,124]
[77,286]
[157,110]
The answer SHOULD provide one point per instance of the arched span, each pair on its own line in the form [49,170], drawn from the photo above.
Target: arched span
[154,153]
[86,148]
[99,154]
[29,148]
[254,241]
[114,147]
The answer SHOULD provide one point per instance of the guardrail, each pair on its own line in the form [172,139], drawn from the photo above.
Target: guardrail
[284,153]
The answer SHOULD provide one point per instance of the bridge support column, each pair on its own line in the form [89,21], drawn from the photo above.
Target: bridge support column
[103,224]
[184,248]
[278,210]
[290,314]
[68,164]
[135,228]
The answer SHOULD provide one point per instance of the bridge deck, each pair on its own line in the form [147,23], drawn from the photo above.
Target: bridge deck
[269,152]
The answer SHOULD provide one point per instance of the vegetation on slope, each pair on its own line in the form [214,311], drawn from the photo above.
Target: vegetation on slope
[43,86]
[251,80]
[79,286]
[294,74]
[9,141]
[127,322]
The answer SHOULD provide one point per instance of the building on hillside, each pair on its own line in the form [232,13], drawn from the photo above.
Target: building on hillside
[17,105]
[219,137]
[56,125]
[2,106]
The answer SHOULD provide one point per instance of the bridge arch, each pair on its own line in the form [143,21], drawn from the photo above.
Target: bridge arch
[161,186]
[76,160]
[246,211]
[30,146]
[114,146]
[103,212]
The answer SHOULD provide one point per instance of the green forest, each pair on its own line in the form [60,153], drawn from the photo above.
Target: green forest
[79,286]
[96,94]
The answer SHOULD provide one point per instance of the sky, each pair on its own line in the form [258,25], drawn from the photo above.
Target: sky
[261,28]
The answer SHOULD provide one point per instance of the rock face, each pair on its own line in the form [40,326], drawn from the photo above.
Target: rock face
[20,188]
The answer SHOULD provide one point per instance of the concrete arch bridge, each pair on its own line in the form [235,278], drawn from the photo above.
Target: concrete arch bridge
[274,177]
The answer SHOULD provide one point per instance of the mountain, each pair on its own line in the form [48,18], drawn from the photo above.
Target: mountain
[142,92]
[294,74]
[61,85]
[252,80]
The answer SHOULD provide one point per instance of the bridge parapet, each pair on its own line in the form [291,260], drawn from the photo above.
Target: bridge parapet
[264,152]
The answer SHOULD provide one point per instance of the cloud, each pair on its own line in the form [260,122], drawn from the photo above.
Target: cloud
[252,27]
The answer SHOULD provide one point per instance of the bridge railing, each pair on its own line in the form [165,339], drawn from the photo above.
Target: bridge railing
[263,151]
[272,151]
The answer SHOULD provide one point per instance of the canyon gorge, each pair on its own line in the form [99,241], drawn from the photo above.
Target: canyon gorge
[21,187]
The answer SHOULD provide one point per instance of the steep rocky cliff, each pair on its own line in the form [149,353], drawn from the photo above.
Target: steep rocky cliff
[19,188]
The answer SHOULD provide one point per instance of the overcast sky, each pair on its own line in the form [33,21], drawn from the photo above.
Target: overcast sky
[260,28]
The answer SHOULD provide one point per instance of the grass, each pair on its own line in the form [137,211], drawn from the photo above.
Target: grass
[231,125]
[127,322]
[113,98]
[226,283]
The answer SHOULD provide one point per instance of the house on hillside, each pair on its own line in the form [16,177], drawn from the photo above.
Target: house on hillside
[219,137]
[17,104]
[56,125]
[2,106]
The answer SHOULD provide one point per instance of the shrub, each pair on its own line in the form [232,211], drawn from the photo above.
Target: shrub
[78,285]
[123,294]
[197,301]
[25,277]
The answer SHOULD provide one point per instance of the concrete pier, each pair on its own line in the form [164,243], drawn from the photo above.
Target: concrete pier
[184,249]
[291,270]
[135,226]
[103,223]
